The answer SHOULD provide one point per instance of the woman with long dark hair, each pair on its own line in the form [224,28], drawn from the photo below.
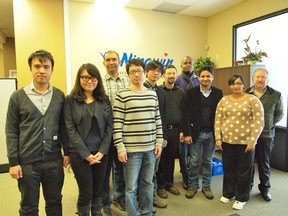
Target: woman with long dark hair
[88,117]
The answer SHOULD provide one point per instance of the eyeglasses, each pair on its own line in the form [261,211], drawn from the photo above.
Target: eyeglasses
[87,78]
[237,84]
[133,72]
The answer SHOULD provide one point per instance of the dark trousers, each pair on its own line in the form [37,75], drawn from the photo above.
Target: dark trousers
[238,171]
[89,179]
[117,175]
[183,161]
[106,198]
[262,157]
[50,174]
[165,174]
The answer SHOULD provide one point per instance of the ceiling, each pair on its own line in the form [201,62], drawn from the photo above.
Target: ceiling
[199,8]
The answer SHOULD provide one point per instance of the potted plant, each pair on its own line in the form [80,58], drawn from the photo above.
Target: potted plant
[253,57]
[201,62]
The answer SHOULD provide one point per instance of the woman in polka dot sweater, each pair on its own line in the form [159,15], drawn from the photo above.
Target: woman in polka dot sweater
[239,121]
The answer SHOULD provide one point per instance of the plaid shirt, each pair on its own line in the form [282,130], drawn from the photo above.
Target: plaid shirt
[113,85]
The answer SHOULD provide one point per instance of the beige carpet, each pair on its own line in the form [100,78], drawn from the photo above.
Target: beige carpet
[177,205]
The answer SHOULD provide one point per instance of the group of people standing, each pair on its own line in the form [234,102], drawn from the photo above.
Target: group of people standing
[128,126]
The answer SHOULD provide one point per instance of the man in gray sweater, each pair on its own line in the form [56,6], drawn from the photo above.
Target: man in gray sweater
[35,134]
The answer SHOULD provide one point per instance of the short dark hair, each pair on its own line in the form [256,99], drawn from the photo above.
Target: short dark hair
[41,55]
[136,62]
[206,68]
[98,93]
[234,77]
[154,65]
[169,66]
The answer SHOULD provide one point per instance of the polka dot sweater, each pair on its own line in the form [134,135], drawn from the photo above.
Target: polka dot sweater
[239,122]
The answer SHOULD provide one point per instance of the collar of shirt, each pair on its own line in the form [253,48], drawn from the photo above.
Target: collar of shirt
[150,86]
[252,90]
[107,77]
[32,88]
[205,93]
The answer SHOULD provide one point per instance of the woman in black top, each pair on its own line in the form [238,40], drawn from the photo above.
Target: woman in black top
[88,117]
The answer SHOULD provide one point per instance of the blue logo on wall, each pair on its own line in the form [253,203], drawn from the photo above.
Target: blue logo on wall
[126,57]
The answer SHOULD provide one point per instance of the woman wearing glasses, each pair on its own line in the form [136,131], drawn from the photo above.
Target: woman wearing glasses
[239,121]
[88,117]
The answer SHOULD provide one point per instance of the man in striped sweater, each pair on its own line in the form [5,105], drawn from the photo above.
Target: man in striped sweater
[138,138]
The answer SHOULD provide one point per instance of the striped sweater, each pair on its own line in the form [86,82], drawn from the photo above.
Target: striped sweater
[137,121]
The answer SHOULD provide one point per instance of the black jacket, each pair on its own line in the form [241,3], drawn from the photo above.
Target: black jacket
[78,125]
[191,110]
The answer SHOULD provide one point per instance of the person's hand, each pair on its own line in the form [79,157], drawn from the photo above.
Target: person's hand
[122,157]
[97,158]
[188,140]
[66,161]
[250,147]
[219,144]
[16,172]
[181,137]
[158,151]
[165,142]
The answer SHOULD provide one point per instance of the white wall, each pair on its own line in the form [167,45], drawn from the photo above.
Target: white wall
[98,27]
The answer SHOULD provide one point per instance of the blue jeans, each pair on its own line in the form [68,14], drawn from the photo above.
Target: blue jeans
[138,175]
[203,148]
[50,175]
[157,161]
[118,189]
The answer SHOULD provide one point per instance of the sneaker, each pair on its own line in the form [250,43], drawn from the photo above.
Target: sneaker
[238,205]
[162,193]
[120,203]
[207,192]
[225,200]
[190,193]
[157,202]
[173,190]
[107,210]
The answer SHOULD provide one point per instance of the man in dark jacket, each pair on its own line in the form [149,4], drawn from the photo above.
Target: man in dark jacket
[35,135]
[186,80]
[197,114]
[273,112]
[174,99]
[154,71]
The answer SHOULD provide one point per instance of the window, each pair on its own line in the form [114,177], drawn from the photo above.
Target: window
[271,32]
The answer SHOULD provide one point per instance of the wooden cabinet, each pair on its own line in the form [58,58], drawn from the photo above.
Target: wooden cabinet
[222,75]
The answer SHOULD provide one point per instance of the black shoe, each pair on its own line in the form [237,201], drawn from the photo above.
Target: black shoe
[184,185]
[266,196]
